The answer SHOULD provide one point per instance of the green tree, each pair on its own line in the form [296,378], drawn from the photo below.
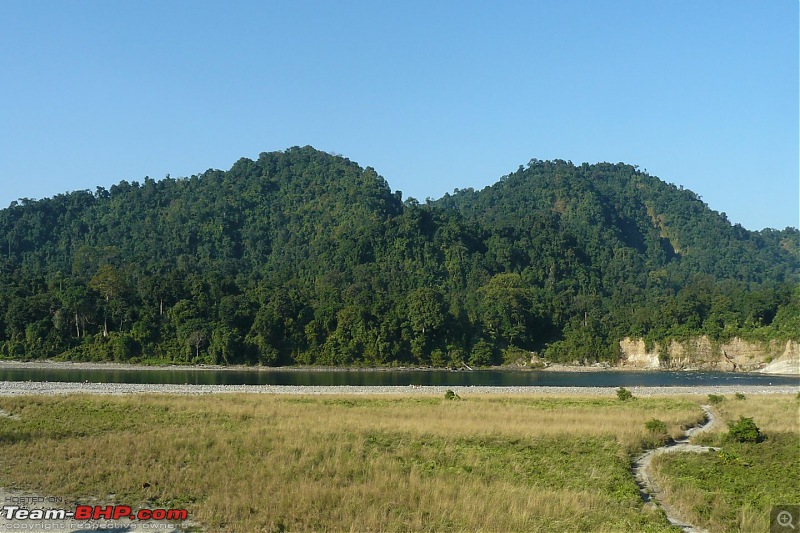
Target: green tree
[506,309]
[109,284]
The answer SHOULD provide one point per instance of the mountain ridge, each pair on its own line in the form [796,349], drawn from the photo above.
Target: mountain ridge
[305,257]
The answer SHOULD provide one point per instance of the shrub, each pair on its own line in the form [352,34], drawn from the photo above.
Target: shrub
[657,433]
[450,395]
[730,457]
[455,355]
[740,396]
[655,425]
[438,358]
[744,430]
[715,399]
[482,354]
[624,394]
[515,356]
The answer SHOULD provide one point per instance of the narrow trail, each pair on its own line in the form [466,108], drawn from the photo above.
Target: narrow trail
[641,468]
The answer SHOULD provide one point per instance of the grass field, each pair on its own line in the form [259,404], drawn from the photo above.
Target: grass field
[383,463]
[734,490]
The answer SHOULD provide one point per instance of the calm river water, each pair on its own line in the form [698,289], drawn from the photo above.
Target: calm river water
[327,377]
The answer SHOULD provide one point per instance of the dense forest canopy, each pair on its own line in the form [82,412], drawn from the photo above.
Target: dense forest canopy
[301,257]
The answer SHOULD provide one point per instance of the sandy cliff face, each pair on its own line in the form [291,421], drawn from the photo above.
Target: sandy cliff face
[635,354]
[700,353]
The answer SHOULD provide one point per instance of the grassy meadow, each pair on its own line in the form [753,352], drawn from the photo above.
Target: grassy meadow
[735,488]
[353,463]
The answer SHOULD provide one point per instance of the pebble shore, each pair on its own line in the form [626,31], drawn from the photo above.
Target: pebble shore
[15,388]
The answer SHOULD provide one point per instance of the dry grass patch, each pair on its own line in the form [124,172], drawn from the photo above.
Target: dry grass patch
[735,489]
[773,413]
[270,463]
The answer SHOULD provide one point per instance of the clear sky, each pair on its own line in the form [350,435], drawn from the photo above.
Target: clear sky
[433,94]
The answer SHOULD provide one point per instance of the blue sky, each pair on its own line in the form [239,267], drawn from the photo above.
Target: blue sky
[433,94]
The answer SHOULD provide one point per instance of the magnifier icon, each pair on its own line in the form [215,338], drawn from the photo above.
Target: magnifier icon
[785,519]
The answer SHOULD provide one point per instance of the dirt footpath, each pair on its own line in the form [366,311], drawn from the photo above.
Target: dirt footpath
[641,468]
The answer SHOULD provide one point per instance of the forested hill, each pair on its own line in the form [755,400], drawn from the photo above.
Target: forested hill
[305,257]
[615,210]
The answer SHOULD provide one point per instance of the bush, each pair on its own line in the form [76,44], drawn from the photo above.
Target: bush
[655,425]
[438,359]
[450,395]
[744,430]
[455,355]
[624,394]
[730,457]
[482,354]
[715,399]
[740,396]
[515,356]
[657,433]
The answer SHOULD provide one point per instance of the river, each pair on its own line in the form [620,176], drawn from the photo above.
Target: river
[389,377]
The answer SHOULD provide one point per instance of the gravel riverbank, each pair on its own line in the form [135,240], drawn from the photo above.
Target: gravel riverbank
[14,388]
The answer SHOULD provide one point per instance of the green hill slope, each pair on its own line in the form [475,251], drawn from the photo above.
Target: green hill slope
[304,257]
